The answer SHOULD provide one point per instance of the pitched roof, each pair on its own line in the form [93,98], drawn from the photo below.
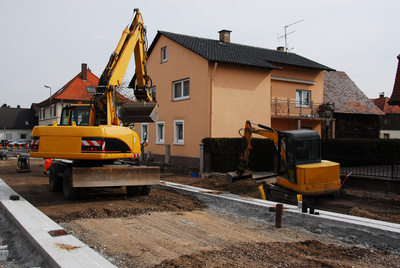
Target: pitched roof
[383,105]
[17,118]
[395,98]
[348,98]
[78,89]
[215,50]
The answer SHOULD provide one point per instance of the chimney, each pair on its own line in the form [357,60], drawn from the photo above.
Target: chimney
[280,48]
[225,36]
[84,72]
[382,95]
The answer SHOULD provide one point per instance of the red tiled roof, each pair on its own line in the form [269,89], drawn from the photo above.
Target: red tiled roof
[395,98]
[382,104]
[77,90]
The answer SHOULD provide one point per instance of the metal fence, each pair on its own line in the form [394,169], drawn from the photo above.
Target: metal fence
[290,107]
[378,171]
[378,168]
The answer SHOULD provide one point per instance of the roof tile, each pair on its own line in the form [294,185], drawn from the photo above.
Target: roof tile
[348,98]
[76,90]
[215,50]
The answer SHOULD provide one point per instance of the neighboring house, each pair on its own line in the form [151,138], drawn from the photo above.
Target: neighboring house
[209,88]
[355,115]
[391,122]
[79,90]
[17,123]
[390,125]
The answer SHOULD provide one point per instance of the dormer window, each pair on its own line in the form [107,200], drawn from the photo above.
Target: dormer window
[91,90]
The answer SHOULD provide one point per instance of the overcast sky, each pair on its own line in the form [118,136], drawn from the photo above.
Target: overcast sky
[44,42]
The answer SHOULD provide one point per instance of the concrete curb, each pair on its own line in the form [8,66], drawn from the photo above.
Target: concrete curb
[350,229]
[57,251]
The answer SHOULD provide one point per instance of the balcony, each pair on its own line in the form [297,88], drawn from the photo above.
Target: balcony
[288,108]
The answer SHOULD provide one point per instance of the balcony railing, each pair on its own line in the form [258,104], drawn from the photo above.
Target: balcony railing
[288,107]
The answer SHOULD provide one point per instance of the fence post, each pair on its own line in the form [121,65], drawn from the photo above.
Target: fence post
[201,159]
[167,154]
[312,107]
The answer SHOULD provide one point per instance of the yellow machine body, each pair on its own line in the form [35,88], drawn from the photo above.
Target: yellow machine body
[314,179]
[84,142]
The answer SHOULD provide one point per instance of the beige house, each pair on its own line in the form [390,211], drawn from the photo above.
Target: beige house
[209,88]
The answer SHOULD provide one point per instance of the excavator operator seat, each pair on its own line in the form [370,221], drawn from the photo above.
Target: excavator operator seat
[78,114]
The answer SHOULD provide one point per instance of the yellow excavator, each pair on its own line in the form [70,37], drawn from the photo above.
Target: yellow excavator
[89,148]
[299,170]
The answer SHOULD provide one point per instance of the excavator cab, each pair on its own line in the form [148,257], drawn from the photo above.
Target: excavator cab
[80,114]
[302,147]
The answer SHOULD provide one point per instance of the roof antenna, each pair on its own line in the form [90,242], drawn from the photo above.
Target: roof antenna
[286,34]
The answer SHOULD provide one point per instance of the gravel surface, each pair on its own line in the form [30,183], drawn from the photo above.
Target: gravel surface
[166,229]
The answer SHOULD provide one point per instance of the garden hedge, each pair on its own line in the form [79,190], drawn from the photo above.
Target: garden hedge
[224,153]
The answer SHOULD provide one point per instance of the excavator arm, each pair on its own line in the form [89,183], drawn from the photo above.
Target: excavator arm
[267,132]
[132,40]
[243,171]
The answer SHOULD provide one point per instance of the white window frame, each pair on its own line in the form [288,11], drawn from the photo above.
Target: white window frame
[164,54]
[42,113]
[53,110]
[144,126]
[300,98]
[160,136]
[177,139]
[180,83]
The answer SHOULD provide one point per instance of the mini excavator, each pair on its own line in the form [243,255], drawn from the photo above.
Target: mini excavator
[300,169]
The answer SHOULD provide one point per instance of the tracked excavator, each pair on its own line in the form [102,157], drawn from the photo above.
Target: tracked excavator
[299,170]
[89,148]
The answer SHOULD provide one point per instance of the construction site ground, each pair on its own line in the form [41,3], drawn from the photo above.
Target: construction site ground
[166,229]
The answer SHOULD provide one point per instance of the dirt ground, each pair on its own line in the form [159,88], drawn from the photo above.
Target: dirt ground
[166,229]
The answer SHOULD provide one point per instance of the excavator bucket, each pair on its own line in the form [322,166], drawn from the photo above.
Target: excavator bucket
[232,177]
[132,112]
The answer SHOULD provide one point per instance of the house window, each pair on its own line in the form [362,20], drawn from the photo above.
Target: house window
[386,135]
[42,113]
[181,90]
[160,132]
[53,110]
[24,136]
[179,132]
[145,132]
[303,98]
[90,89]
[164,54]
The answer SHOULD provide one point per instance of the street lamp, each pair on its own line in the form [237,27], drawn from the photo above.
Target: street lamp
[50,99]
[329,109]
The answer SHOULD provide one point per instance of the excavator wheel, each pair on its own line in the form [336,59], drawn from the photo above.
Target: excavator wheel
[138,190]
[146,189]
[55,180]
[70,193]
